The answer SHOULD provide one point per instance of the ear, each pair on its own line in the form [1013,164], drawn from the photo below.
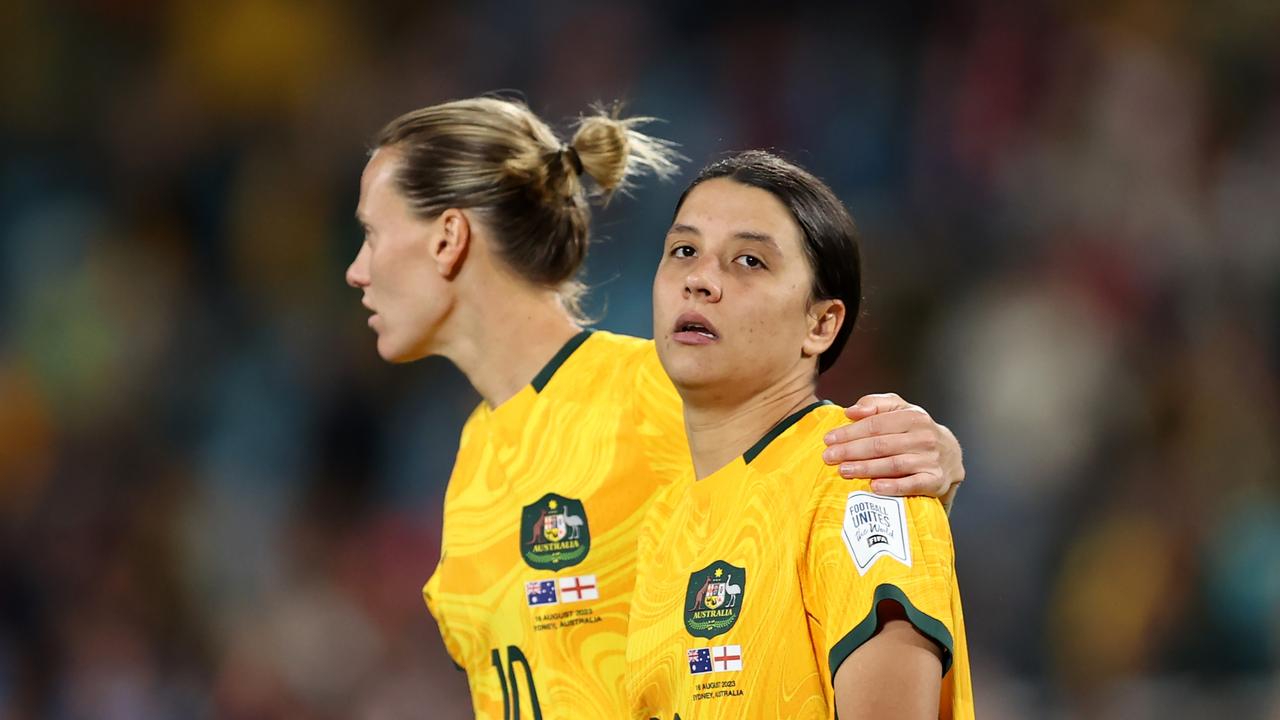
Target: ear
[825,319]
[449,248]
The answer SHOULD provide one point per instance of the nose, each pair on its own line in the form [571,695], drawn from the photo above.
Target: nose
[704,280]
[358,270]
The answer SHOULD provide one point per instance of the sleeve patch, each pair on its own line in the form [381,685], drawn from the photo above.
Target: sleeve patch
[875,526]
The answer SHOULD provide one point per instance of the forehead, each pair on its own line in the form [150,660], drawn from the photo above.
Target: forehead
[378,174]
[727,207]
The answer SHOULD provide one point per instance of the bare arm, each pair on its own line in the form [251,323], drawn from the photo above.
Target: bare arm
[895,674]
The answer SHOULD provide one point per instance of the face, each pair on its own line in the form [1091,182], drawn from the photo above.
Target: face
[732,305]
[396,269]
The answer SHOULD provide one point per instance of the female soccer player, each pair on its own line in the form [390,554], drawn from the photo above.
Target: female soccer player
[771,587]
[476,224]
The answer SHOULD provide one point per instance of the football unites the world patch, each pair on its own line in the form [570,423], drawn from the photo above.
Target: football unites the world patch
[714,599]
[875,527]
[554,533]
[717,658]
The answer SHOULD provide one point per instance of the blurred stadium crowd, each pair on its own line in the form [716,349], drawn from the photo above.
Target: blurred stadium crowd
[217,502]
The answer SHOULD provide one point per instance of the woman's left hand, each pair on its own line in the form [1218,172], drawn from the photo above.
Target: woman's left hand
[898,447]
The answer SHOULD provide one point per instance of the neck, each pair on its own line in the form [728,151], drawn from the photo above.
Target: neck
[501,346]
[721,431]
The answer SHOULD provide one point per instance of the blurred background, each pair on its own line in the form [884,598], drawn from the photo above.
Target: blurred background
[217,502]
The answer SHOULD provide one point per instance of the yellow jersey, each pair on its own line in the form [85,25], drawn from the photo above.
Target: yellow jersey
[540,519]
[755,583]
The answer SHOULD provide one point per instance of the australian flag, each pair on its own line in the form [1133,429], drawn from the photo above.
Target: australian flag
[543,592]
[700,661]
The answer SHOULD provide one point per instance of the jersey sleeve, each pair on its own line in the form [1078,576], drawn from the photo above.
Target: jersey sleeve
[864,549]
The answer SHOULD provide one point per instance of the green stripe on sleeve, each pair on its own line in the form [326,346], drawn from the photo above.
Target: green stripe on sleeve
[931,627]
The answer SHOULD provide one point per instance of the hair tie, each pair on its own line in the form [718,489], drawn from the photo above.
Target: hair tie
[573,157]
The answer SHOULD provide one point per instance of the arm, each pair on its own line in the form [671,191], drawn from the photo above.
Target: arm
[899,447]
[895,674]
[880,590]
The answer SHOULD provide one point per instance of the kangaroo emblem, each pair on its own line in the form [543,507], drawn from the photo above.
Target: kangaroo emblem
[702,593]
[537,530]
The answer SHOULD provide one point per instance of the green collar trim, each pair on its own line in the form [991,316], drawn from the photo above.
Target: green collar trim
[544,375]
[780,428]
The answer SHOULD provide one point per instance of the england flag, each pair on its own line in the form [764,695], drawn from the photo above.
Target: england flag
[726,657]
[540,592]
[573,589]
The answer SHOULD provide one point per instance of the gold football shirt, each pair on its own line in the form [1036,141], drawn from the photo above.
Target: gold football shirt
[540,519]
[755,583]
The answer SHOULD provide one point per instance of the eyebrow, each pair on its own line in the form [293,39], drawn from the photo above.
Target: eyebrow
[741,234]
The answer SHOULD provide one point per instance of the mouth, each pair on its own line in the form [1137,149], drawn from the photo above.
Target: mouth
[694,329]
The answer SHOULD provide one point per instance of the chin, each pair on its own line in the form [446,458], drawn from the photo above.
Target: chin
[394,353]
[688,372]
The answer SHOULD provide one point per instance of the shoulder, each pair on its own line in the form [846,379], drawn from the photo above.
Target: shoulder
[604,356]
[789,458]
[826,418]
[639,354]
[602,343]
[634,364]
[836,501]
[474,426]
[796,447]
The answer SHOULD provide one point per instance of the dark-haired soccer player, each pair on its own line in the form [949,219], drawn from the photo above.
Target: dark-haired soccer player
[768,586]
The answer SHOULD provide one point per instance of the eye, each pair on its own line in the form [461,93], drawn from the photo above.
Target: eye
[750,261]
[682,251]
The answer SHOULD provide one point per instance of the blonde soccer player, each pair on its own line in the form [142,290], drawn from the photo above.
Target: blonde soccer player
[476,219]
[768,585]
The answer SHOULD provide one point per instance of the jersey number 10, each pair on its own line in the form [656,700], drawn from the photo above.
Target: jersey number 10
[511,696]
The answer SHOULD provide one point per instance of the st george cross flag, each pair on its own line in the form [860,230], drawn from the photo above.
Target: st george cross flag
[573,589]
[726,657]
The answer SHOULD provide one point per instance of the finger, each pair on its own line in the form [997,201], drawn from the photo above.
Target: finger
[895,421]
[918,484]
[893,467]
[898,421]
[879,446]
[869,405]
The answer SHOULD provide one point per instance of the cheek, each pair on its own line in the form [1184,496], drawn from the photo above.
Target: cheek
[380,275]
[393,272]
[776,323]
[665,297]
[413,318]
[406,294]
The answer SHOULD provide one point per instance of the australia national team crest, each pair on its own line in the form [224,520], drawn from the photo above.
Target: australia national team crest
[714,599]
[554,533]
